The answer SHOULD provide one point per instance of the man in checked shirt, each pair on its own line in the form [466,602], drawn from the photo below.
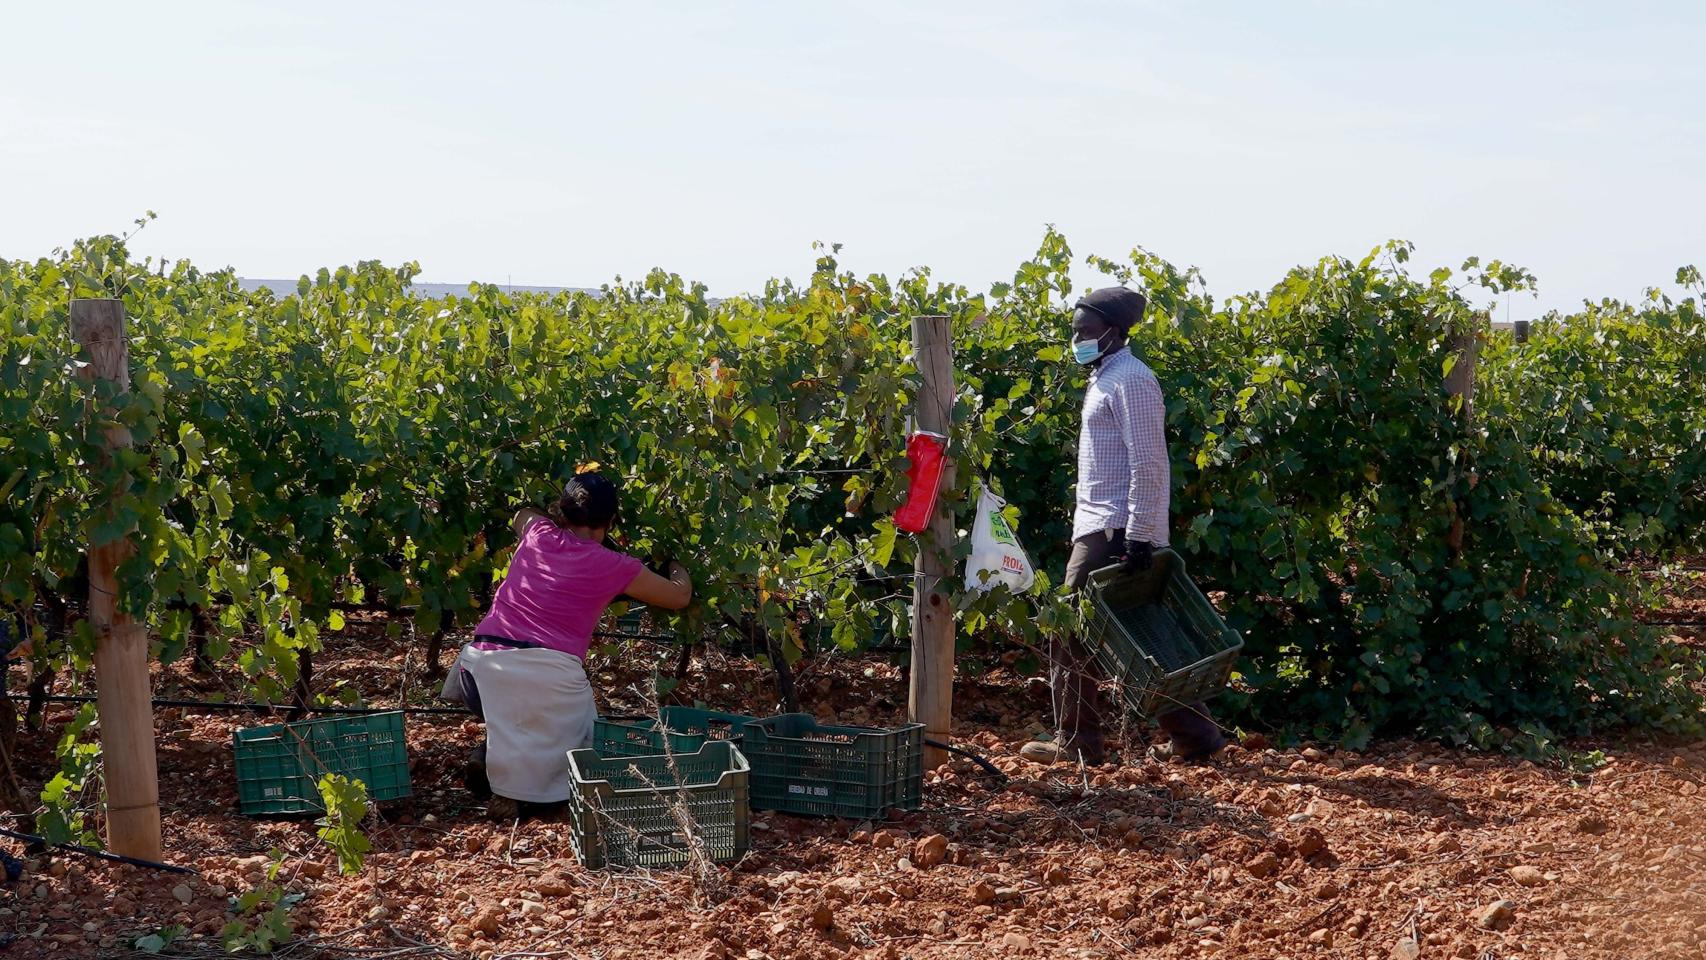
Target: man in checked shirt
[1124,487]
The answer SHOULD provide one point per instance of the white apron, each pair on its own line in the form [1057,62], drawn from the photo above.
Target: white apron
[539,706]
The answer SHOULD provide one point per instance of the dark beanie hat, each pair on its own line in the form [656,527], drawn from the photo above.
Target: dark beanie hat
[1121,307]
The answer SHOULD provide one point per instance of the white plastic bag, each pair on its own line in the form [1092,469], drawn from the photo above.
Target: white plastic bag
[996,556]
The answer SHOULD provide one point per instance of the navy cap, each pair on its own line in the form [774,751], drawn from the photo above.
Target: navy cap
[1121,307]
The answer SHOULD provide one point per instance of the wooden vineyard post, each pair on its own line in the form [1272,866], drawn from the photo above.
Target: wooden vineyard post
[1465,345]
[931,697]
[121,659]
[1460,382]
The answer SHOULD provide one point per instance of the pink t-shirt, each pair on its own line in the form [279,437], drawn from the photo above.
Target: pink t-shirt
[556,590]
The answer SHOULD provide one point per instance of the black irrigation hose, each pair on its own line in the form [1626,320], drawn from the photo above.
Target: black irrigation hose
[661,639]
[92,852]
[265,707]
[971,756]
[976,758]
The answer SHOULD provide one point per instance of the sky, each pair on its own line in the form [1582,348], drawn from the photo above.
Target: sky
[567,143]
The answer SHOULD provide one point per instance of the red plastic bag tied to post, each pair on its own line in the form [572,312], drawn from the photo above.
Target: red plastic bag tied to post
[927,456]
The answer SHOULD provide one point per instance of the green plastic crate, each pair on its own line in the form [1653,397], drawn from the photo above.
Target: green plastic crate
[279,766]
[689,729]
[620,808]
[636,737]
[1156,634]
[802,766]
[708,724]
[637,621]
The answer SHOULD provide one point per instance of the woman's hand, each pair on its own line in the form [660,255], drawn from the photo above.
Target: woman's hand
[671,593]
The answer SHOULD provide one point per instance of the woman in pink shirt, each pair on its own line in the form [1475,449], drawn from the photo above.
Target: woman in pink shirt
[523,672]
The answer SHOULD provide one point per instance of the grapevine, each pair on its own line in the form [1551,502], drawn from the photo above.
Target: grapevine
[348,442]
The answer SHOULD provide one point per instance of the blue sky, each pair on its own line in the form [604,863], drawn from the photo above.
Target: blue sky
[565,143]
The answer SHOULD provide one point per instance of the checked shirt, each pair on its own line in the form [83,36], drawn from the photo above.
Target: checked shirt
[1124,479]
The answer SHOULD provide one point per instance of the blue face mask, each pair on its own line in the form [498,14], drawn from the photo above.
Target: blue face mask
[1086,351]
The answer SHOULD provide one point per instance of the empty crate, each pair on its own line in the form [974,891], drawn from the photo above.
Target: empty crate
[1155,633]
[629,811]
[279,766]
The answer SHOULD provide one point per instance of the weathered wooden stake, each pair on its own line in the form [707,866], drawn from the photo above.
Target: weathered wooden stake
[1465,345]
[121,659]
[932,689]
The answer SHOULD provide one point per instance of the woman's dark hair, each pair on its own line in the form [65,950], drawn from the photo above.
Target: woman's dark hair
[588,500]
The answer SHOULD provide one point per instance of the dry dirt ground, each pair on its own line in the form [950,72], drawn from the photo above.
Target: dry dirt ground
[1405,850]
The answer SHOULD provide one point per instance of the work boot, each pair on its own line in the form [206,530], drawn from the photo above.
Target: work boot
[541,810]
[1046,752]
[1163,752]
[474,773]
[1192,733]
[502,810]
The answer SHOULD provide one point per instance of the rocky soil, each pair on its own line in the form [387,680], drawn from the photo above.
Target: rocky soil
[1407,850]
